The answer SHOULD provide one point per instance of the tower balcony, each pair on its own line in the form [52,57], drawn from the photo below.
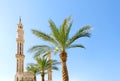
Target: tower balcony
[20,56]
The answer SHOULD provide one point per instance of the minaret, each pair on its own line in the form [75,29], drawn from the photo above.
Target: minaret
[20,53]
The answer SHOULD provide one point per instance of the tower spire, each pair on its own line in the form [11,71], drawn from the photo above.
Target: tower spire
[19,19]
[20,23]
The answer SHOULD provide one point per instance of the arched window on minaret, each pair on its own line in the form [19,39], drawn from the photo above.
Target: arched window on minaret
[20,48]
[17,65]
[22,66]
[17,47]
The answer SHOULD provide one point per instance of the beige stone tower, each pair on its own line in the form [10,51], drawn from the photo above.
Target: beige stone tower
[20,53]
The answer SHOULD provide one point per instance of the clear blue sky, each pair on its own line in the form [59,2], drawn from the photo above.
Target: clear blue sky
[99,62]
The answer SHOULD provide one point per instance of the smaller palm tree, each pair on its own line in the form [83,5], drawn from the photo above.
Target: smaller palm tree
[32,69]
[43,64]
[41,51]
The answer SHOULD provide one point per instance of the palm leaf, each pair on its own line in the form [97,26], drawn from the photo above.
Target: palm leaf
[55,62]
[39,47]
[39,53]
[44,36]
[54,68]
[56,33]
[61,35]
[68,30]
[39,50]
[76,45]
[54,29]
[64,32]
[83,32]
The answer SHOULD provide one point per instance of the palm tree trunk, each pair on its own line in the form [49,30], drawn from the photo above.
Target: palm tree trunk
[63,57]
[34,77]
[49,70]
[42,75]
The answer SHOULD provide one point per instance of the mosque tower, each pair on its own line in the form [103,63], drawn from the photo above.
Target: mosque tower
[20,52]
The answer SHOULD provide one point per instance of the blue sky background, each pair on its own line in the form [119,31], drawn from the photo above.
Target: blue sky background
[99,62]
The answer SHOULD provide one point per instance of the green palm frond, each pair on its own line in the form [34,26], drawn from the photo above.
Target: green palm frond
[54,68]
[39,47]
[64,31]
[45,64]
[55,62]
[68,30]
[56,33]
[83,32]
[76,45]
[61,36]
[54,29]
[39,50]
[44,36]
[52,64]
[41,63]
[40,53]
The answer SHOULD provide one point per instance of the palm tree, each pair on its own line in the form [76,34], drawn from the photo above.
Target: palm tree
[33,69]
[41,51]
[61,40]
[43,64]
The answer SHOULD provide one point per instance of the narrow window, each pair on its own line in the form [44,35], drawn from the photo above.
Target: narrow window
[20,48]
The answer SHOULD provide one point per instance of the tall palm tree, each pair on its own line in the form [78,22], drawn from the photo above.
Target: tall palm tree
[61,40]
[43,64]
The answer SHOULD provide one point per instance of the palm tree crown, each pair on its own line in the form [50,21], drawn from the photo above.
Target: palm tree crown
[60,36]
